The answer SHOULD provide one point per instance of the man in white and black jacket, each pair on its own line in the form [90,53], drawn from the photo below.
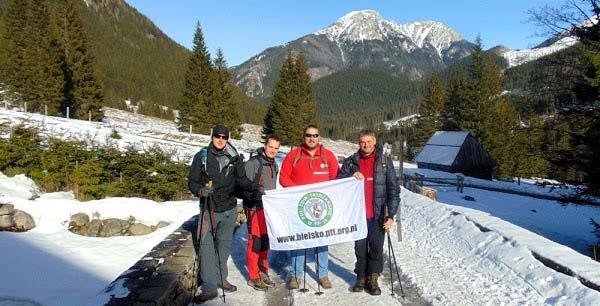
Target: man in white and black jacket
[263,169]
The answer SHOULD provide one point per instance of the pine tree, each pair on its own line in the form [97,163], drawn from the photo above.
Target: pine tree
[471,109]
[13,44]
[195,107]
[229,107]
[83,91]
[430,113]
[306,97]
[458,91]
[41,63]
[293,105]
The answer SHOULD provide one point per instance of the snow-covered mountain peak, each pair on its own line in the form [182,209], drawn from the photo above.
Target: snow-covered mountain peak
[435,33]
[357,26]
[360,16]
[369,25]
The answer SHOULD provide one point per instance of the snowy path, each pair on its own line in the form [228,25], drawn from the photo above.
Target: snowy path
[341,264]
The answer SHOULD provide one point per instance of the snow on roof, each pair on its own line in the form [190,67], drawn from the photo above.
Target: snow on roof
[442,148]
[441,155]
[446,138]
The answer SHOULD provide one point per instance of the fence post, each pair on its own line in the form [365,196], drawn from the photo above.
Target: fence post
[45,109]
[5,104]
[399,222]
[190,130]
[67,112]
[90,116]
[420,179]
[25,106]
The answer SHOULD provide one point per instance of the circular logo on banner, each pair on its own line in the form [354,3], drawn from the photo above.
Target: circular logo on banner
[315,209]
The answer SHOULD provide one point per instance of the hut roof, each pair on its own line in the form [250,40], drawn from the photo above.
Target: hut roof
[442,148]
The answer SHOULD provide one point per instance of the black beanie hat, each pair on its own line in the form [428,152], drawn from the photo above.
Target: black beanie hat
[220,130]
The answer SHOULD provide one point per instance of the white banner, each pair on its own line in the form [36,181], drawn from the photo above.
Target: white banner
[316,214]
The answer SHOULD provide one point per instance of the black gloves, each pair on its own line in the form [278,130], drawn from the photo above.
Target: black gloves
[205,191]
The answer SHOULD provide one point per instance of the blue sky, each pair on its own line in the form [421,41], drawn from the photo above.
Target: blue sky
[245,28]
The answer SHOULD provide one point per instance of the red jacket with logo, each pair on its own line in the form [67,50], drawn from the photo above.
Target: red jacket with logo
[300,168]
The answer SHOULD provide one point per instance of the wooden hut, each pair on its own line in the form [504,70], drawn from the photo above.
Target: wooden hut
[455,152]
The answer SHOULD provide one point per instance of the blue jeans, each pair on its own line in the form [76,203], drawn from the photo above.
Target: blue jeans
[297,260]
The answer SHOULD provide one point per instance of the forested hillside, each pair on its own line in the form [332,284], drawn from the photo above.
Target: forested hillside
[350,99]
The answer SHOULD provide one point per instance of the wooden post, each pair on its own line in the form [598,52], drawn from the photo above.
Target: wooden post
[45,109]
[5,104]
[401,168]
[25,106]
[412,186]
[90,116]
[67,112]
[190,130]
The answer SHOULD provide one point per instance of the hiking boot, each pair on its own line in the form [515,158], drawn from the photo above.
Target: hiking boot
[294,283]
[325,283]
[201,297]
[372,285]
[227,287]
[360,283]
[257,284]
[264,277]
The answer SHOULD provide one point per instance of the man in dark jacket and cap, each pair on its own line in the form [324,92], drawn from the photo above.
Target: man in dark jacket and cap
[263,169]
[382,197]
[216,171]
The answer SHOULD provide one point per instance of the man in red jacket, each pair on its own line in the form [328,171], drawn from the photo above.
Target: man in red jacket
[307,164]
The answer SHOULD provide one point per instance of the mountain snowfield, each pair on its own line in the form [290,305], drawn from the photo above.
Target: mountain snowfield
[452,255]
[369,25]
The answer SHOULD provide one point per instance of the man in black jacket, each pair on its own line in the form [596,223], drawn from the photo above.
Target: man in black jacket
[220,164]
[382,197]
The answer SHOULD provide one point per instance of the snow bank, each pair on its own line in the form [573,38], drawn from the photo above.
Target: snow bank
[18,186]
[53,266]
[460,256]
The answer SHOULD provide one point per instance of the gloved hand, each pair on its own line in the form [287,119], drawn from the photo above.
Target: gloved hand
[205,191]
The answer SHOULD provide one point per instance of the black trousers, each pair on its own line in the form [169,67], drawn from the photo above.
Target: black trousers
[369,251]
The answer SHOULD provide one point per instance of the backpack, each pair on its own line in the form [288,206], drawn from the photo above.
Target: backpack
[246,197]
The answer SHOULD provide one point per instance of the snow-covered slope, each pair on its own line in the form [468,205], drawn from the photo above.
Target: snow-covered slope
[142,132]
[519,57]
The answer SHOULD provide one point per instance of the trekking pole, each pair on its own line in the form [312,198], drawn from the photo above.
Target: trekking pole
[391,273]
[195,283]
[318,278]
[214,236]
[395,264]
[303,290]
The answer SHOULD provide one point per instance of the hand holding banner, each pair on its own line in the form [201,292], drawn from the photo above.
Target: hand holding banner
[316,214]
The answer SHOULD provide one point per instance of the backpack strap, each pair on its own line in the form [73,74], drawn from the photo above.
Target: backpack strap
[298,156]
[203,154]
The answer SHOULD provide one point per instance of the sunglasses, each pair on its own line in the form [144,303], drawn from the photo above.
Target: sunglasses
[307,135]
[221,137]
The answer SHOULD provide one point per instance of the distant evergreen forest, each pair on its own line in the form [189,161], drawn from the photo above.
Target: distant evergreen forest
[349,100]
